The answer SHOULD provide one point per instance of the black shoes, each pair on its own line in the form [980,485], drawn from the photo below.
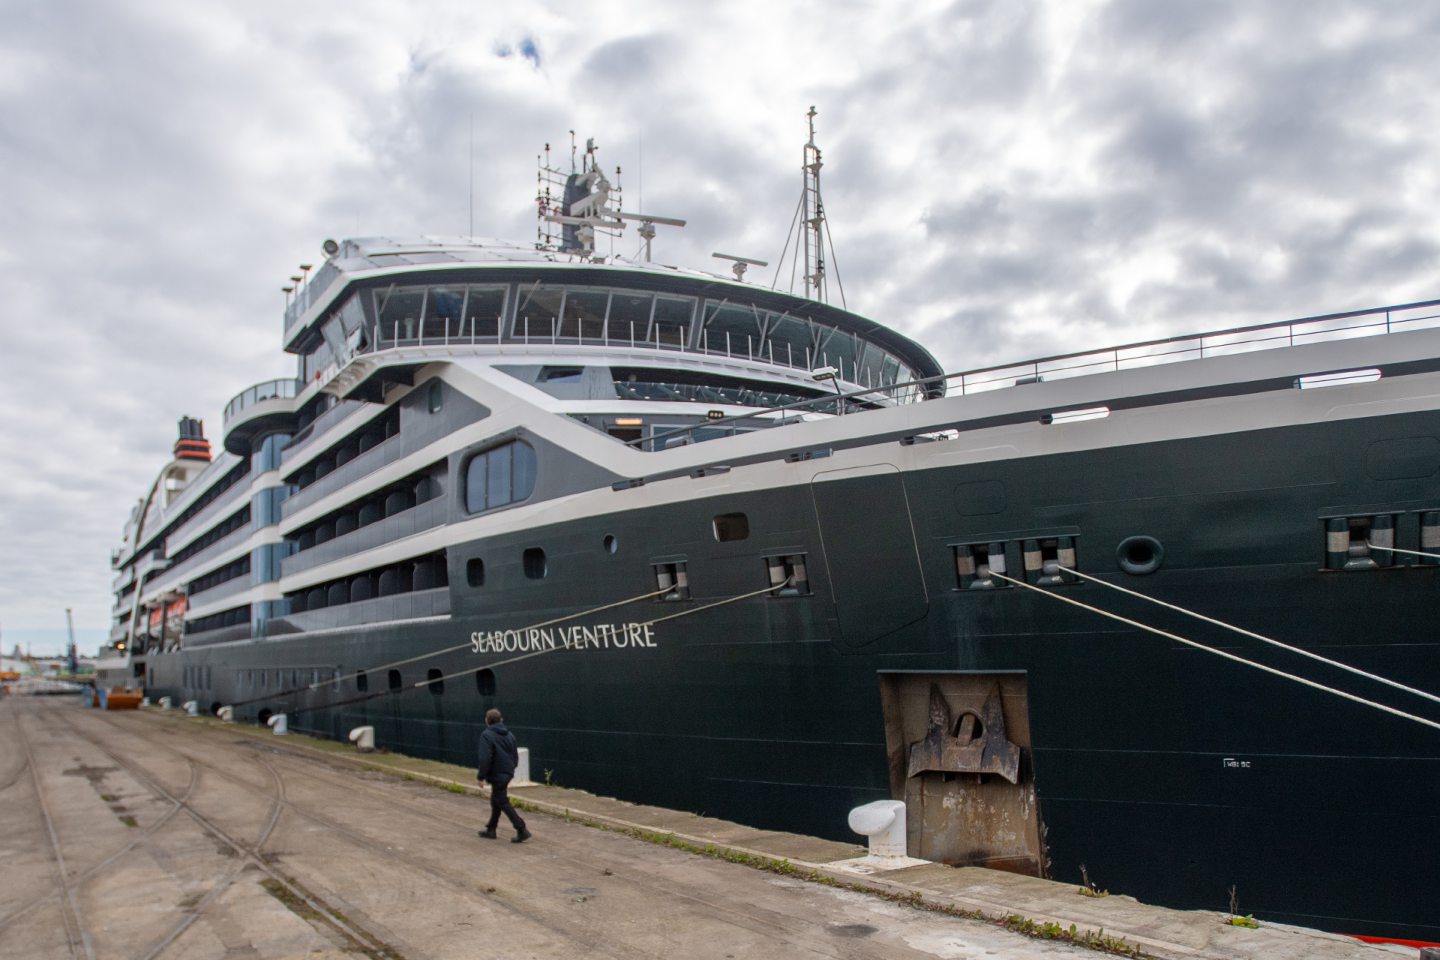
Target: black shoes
[520,837]
[487,834]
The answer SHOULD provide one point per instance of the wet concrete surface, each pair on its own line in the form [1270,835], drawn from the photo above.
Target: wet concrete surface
[148,834]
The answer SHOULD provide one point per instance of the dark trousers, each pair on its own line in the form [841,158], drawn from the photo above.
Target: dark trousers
[500,803]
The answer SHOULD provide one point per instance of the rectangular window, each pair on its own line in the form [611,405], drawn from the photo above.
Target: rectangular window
[485,312]
[497,478]
[731,526]
[629,316]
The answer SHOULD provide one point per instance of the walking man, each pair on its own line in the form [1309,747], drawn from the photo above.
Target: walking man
[498,758]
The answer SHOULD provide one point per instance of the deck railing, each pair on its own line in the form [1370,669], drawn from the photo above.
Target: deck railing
[286,388]
[1265,336]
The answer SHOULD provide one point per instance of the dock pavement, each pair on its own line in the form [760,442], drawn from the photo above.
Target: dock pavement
[147,834]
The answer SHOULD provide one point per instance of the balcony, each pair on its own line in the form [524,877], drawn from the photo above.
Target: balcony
[268,405]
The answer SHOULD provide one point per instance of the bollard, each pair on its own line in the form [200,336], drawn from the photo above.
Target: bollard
[192,708]
[884,823]
[144,701]
[279,724]
[166,703]
[522,769]
[1430,953]
[226,714]
[363,738]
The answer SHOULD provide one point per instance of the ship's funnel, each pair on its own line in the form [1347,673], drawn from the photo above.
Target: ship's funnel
[192,444]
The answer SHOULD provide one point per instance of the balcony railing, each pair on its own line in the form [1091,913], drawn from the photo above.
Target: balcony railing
[285,388]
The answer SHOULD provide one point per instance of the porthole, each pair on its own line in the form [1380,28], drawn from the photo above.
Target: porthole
[435,681]
[1139,555]
[263,718]
[485,683]
[394,679]
[436,397]
[475,572]
[611,544]
[362,682]
[534,563]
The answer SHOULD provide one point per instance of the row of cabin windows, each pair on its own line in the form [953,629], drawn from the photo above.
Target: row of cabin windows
[235,568]
[239,473]
[217,621]
[369,436]
[421,573]
[236,520]
[395,498]
[298,679]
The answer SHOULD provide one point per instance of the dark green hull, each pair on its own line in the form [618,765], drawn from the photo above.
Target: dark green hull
[767,710]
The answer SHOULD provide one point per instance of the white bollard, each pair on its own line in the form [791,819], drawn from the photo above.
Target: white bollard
[363,738]
[522,769]
[144,701]
[166,703]
[192,708]
[884,823]
[226,714]
[279,724]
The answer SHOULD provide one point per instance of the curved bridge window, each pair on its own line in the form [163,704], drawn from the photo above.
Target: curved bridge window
[499,476]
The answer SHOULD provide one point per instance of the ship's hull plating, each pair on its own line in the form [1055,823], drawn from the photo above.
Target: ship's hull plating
[1172,774]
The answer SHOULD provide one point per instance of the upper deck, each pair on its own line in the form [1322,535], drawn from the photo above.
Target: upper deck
[380,294]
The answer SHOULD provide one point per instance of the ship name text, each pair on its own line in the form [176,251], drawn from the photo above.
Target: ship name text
[602,636]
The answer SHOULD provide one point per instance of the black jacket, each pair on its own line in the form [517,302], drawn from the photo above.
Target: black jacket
[498,754]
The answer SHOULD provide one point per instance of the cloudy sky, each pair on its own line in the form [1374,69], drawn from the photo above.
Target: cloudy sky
[1004,179]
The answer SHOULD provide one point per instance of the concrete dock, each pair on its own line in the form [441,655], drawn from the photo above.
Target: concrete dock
[150,834]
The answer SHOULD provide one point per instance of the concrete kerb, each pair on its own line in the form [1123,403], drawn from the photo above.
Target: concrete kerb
[1087,933]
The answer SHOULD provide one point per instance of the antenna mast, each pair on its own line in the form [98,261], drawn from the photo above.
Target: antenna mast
[813,224]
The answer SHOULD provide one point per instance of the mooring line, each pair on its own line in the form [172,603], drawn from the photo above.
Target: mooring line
[1220,653]
[1256,636]
[1412,553]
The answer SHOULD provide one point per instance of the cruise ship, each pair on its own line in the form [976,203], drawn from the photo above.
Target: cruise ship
[1157,617]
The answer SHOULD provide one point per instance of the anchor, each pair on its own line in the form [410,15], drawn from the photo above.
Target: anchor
[965,752]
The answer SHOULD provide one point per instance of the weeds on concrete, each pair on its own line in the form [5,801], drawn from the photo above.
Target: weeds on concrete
[1091,939]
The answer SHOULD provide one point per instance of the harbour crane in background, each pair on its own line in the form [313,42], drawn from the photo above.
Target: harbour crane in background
[70,653]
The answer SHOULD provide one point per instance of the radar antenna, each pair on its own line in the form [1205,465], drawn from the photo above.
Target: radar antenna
[583,203]
[740,263]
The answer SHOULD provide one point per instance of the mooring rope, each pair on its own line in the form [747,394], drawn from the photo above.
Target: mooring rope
[1413,553]
[1220,653]
[1256,636]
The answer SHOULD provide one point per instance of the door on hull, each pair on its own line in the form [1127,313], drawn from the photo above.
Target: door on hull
[870,552]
